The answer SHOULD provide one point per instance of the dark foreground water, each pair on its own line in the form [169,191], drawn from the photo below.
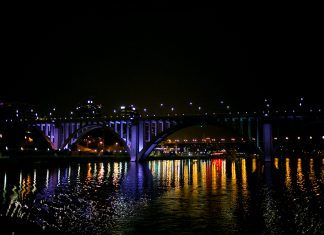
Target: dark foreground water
[216,196]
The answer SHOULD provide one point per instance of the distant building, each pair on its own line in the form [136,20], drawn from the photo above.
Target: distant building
[15,111]
[128,112]
[87,110]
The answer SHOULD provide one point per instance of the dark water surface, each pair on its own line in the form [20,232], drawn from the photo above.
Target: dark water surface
[213,196]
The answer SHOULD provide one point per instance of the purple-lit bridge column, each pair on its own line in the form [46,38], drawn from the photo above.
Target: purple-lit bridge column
[267,141]
[137,140]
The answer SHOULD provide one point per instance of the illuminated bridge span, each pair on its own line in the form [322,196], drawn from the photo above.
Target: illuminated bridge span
[141,135]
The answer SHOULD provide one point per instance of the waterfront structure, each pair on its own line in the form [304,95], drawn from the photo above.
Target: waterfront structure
[142,134]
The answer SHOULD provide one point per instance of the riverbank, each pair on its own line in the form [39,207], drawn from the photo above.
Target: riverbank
[202,156]
[27,159]
[185,157]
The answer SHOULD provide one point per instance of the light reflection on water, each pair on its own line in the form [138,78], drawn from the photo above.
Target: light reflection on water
[213,196]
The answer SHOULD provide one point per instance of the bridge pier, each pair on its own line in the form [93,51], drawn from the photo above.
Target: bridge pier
[137,140]
[267,142]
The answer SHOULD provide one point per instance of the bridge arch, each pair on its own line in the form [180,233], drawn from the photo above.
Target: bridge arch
[150,146]
[84,130]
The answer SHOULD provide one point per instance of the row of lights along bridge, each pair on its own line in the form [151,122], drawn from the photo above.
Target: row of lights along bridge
[92,110]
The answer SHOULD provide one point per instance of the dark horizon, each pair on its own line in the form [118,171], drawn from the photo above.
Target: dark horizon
[120,55]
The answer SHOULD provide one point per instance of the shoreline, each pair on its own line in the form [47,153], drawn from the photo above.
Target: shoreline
[28,159]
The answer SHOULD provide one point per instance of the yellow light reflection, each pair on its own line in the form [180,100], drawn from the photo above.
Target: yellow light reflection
[223,175]
[300,175]
[169,172]
[288,174]
[234,182]
[312,178]
[244,177]
[214,179]
[116,174]
[101,173]
[152,167]
[194,174]
[89,173]
[186,178]
[276,163]
[203,176]
[26,187]
[254,166]
[233,172]
[163,170]
[176,173]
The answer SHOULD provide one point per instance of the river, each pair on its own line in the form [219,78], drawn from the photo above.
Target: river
[202,196]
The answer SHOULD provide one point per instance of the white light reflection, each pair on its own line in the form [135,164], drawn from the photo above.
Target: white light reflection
[69,174]
[58,176]
[34,182]
[47,178]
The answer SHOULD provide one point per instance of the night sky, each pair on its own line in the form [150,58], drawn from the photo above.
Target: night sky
[59,56]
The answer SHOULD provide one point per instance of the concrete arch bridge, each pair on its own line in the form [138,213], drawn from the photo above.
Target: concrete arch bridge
[142,135]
